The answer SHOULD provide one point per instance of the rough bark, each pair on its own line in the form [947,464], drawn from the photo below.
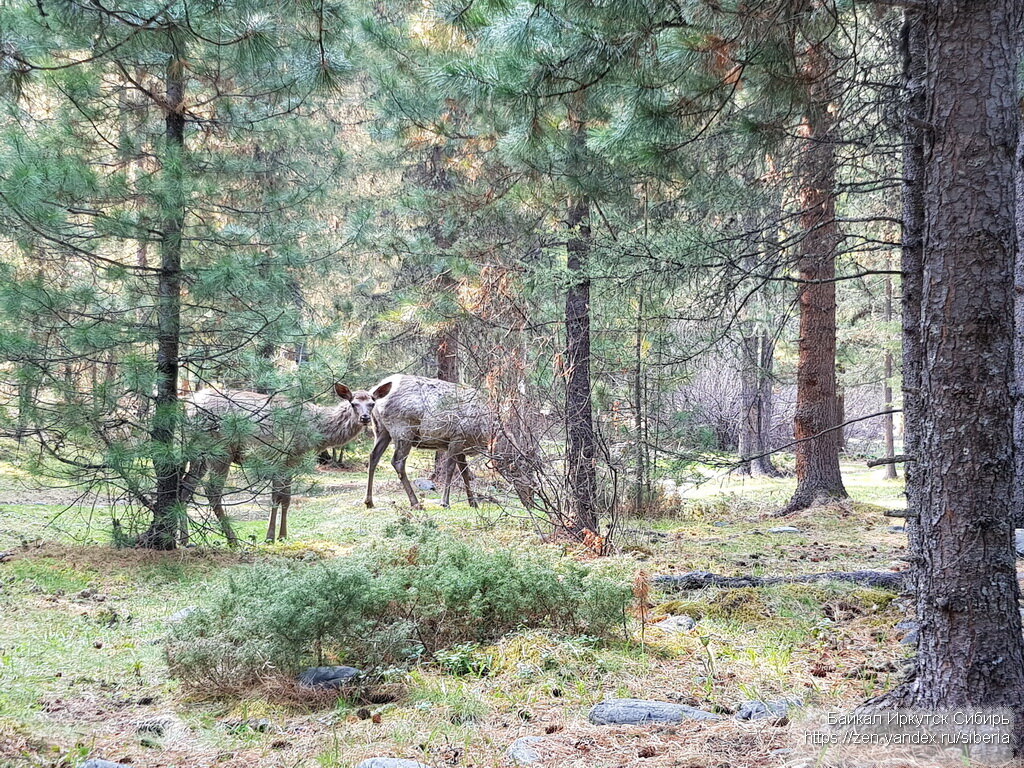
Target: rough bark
[887,372]
[1018,342]
[581,441]
[970,651]
[817,407]
[912,250]
[167,506]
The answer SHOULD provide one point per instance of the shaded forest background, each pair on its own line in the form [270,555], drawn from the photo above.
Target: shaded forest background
[605,215]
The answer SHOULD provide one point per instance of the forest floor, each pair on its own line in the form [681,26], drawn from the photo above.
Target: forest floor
[82,671]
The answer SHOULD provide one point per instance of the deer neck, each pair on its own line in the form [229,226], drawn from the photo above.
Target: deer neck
[335,425]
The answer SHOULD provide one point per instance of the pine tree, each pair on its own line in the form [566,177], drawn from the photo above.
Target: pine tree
[160,129]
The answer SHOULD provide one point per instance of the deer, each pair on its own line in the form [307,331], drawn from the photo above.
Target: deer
[436,415]
[288,431]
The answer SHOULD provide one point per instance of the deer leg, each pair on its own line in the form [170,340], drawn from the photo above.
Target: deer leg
[196,470]
[383,440]
[215,491]
[402,449]
[464,471]
[449,473]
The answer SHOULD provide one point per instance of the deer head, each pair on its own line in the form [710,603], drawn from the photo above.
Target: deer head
[361,400]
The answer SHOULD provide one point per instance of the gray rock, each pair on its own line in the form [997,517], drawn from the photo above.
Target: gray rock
[677,624]
[910,638]
[720,524]
[523,751]
[896,529]
[424,484]
[761,710]
[638,711]
[97,763]
[391,762]
[1018,538]
[785,529]
[181,615]
[328,677]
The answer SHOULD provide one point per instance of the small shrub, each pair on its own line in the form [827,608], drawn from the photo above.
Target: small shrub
[390,606]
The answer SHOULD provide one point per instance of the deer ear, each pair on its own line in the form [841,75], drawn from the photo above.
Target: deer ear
[382,390]
[343,392]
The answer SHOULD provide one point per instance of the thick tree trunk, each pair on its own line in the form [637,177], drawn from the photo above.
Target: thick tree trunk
[580,512]
[167,507]
[817,406]
[581,441]
[971,651]
[1018,343]
[887,372]
[912,253]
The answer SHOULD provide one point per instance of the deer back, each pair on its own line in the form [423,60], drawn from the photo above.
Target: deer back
[434,414]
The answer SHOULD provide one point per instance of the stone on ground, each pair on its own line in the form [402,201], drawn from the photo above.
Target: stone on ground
[328,677]
[761,710]
[523,751]
[785,529]
[181,615]
[638,711]
[677,624]
[391,762]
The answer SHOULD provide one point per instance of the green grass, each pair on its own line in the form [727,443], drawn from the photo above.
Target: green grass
[73,670]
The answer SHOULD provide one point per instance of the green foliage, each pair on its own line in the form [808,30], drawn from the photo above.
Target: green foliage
[393,605]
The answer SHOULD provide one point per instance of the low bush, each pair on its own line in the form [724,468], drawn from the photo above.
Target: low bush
[392,605]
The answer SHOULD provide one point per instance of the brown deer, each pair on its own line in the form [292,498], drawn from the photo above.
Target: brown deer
[417,412]
[239,423]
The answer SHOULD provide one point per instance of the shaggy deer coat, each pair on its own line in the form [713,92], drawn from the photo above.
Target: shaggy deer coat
[418,412]
[240,423]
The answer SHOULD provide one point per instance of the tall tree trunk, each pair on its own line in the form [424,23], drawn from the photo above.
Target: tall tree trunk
[749,417]
[887,372]
[763,463]
[642,491]
[817,406]
[757,352]
[970,651]
[581,440]
[912,254]
[447,370]
[168,468]
[1018,343]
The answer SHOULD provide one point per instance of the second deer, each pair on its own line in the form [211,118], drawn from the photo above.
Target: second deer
[418,412]
[283,430]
